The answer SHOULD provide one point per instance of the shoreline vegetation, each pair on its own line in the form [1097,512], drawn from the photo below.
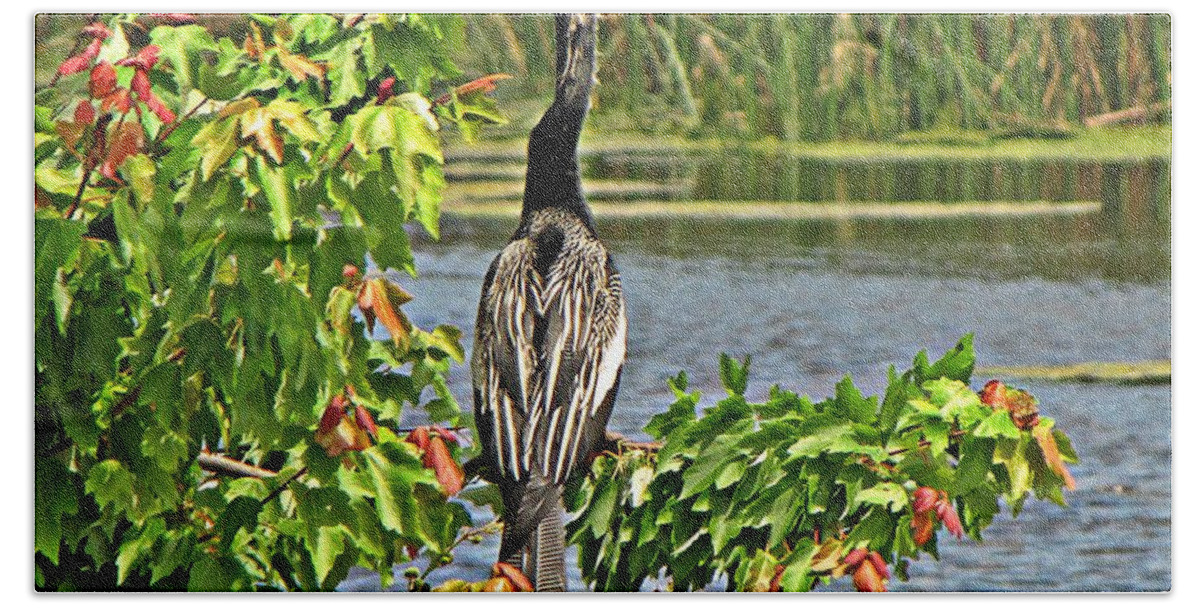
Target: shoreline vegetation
[485,179]
[1156,371]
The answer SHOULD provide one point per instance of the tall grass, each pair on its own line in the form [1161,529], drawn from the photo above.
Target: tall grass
[817,77]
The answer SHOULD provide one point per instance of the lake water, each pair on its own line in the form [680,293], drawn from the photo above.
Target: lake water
[812,300]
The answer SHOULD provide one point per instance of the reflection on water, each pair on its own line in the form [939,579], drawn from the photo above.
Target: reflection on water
[811,301]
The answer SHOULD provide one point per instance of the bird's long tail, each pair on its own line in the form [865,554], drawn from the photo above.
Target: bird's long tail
[535,535]
[546,563]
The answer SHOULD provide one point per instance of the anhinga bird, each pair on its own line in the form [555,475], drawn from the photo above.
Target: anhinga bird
[550,334]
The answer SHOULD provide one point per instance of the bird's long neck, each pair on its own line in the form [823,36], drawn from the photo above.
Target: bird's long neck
[552,177]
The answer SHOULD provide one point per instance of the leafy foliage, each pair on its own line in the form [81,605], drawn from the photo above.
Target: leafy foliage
[779,495]
[212,223]
[203,207]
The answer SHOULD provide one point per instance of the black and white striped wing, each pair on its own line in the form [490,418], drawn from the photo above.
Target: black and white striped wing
[504,362]
[580,341]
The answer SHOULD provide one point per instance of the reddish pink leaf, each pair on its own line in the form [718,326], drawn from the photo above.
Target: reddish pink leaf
[924,499]
[364,420]
[118,100]
[438,458]
[97,30]
[385,90]
[334,412]
[870,576]
[922,525]
[145,59]
[160,109]
[513,574]
[126,141]
[855,557]
[74,65]
[419,437]
[141,84]
[93,48]
[949,517]
[85,113]
[103,80]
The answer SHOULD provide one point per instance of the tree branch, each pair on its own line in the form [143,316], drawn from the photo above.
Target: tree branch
[224,465]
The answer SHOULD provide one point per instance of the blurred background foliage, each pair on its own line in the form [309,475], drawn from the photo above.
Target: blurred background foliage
[822,77]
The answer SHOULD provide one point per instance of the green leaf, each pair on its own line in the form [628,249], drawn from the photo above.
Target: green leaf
[182,45]
[54,496]
[138,546]
[974,463]
[734,374]
[217,140]
[241,513]
[279,192]
[957,364]
[998,424]
[850,403]
[111,484]
[887,494]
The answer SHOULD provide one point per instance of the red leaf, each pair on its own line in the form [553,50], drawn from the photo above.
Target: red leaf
[924,499]
[1053,458]
[514,575]
[363,418]
[486,84]
[97,30]
[378,299]
[74,65]
[993,394]
[333,414]
[160,109]
[868,578]
[385,90]
[349,271]
[855,557]
[118,100]
[438,458]
[85,113]
[103,80]
[93,48]
[419,437]
[125,142]
[141,85]
[145,59]
[922,525]
[949,517]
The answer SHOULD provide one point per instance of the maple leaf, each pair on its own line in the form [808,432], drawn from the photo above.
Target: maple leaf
[380,299]
[300,67]
[1053,458]
[73,65]
[97,30]
[257,123]
[513,574]
[140,84]
[126,140]
[103,80]
[85,113]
